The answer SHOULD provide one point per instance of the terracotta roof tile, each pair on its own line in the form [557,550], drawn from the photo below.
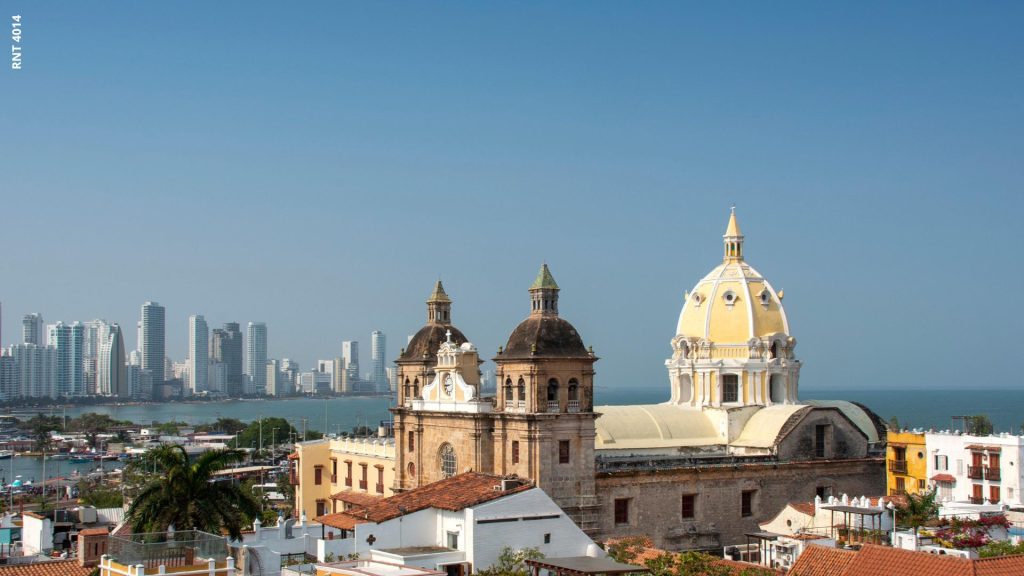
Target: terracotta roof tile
[944,478]
[882,560]
[356,498]
[59,568]
[823,561]
[93,532]
[646,551]
[455,493]
[1000,566]
[803,507]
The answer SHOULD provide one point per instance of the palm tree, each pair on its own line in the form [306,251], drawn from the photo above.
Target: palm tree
[183,494]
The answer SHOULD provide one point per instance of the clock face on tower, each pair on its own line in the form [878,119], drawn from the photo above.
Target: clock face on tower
[448,384]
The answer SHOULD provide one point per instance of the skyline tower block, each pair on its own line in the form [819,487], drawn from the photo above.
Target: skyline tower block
[32,329]
[152,340]
[256,357]
[198,354]
[378,353]
[111,373]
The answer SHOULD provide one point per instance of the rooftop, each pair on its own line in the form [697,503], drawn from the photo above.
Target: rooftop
[47,568]
[183,547]
[875,560]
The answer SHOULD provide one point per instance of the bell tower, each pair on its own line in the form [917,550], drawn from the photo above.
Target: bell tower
[544,416]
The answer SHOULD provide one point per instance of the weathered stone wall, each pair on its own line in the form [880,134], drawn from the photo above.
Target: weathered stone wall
[655,498]
[843,440]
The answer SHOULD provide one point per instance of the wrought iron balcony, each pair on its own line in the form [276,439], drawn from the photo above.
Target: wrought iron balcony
[976,500]
[975,472]
[992,473]
[898,466]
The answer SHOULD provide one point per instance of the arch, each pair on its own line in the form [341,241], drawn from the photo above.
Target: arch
[416,388]
[522,390]
[446,460]
[574,389]
[411,470]
[509,390]
[685,388]
[776,389]
[774,349]
[552,390]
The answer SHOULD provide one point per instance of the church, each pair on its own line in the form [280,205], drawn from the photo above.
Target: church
[731,447]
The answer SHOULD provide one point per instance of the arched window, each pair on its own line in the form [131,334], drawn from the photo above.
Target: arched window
[775,349]
[509,390]
[416,388]
[730,388]
[446,460]
[552,390]
[411,469]
[574,390]
[522,390]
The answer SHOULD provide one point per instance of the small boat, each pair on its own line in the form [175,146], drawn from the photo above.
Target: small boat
[5,454]
[80,459]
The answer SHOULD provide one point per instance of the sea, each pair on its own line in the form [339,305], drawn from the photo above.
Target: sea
[924,409]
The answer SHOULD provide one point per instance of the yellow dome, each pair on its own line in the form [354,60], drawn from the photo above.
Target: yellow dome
[733,303]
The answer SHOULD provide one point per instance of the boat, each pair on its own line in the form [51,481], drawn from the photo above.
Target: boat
[80,459]
[5,454]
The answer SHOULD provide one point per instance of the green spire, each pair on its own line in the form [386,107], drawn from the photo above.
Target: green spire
[438,295]
[544,279]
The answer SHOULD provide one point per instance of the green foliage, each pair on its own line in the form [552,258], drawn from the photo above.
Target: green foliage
[894,424]
[90,494]
[1000,548]
[919,509]
[250,437]
[92,425]
[225,425]
[979,425]
[181,493]
[625,550]
[512,562]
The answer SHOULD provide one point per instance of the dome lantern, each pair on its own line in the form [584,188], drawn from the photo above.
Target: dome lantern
[733,239]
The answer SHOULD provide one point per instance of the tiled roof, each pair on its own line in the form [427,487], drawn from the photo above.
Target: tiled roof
[944,478]
[646,551]
[356,498]
[455,493]
[822,561]
[803,507]
[875,560]
[93,532]
[59,568]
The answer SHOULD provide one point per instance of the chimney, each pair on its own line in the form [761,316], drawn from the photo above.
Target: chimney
[92,545]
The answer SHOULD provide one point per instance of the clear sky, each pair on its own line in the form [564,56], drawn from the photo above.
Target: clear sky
[317,166]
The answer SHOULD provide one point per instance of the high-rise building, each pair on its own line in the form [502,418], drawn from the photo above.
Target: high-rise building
[36,369]
[378,353]
[111,375]
[256,357]
[32,329]
[278,382]
[10,387]
[140,382]
[69,342]
[152,340]
[198,355]
[217,378]
[338,381]
[226,347]
[292,369]
[350,355]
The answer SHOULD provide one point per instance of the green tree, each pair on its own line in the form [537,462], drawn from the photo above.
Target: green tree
[979,425]
[1000,548]
[182,493]
[512,562]
[92,425]
[90,494]
[894,424]
[919,509]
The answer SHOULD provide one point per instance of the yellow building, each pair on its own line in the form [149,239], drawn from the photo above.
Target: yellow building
[324,469]
[906,463]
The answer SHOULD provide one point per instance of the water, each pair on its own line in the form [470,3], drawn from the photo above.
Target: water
[26,468]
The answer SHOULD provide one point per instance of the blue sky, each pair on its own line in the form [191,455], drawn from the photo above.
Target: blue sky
[318,165]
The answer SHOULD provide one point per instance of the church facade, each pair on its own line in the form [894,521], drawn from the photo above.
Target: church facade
[730,448]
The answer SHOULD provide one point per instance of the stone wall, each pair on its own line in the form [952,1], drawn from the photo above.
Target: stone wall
[655,498]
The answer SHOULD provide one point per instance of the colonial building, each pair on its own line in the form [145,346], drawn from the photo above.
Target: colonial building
[730,448]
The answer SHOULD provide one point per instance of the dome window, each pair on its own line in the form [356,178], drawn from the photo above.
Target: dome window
[765,297]
[697,299]
[730,298]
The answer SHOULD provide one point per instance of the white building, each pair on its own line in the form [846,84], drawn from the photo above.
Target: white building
[198,355]
[111,377]
[69,341]
[378,361]
[458,524]
[32,329]
[256,357]
[975,469]
[37,370]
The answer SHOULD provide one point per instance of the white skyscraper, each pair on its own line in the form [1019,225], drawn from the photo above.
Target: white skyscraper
[152,342]
[256,357]
[37,370]
[10,387]
[350,356]
[198,355]
[69,342]
[378,352]
[111,375]
[32,329]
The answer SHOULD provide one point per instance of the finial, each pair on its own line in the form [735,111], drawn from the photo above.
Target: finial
[499,350]
[448,335]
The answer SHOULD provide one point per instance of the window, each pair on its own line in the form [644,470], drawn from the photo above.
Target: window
[334,470]
[547,538]
[412,440]
[318,475]
[941,462]
[689,506]
[515,451]
[509,390]
[574,390]
[411,470]
[363,482]
[621,511]
[730,388]
[993,494]
[563,451]
[921,486]
[823,492]
[380,480]
[552,390]
[446,457]
[348,478]
[522,390]
[747,503]
[321,507]
[453,540]
[822,439]
[901,485]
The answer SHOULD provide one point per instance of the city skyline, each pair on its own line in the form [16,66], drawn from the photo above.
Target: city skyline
[863,147]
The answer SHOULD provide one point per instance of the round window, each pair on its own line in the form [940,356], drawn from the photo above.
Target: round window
[446,457]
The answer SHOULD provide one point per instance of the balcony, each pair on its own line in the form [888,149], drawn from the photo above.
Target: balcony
[348,481]
[293,478]
[976,472]
[898,466]
[179,549]
[515,406]
[362,484]
[380,488]
[574,405]
[334,478]
[992,473]
[898,492]
[553,406]
[976,500]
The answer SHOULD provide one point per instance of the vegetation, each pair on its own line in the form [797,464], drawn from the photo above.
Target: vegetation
[512,562]
[979,425]
[90,494]
[920,509]
[92,425]
[894,424]
[627,550]
[1000,548]
[182,494]
[223,425]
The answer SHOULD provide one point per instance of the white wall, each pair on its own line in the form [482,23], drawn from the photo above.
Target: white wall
[36,535]
[954,446]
